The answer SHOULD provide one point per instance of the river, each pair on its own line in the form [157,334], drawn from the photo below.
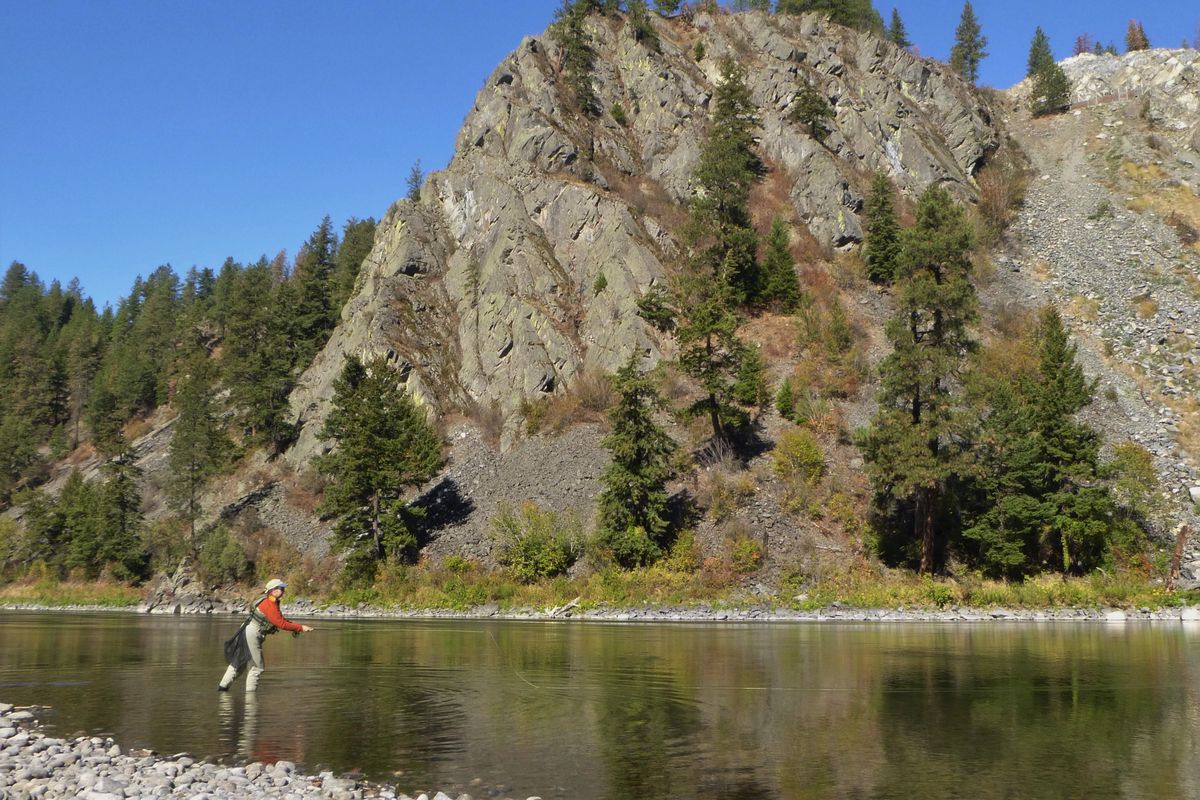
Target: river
[592,710]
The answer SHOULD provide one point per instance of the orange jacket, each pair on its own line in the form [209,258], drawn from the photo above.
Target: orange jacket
[269,608]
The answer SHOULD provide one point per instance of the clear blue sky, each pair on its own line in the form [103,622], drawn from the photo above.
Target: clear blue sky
[135,133]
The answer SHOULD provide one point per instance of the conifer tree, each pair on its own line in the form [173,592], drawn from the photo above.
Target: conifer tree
[896,34]
[633,514]
[667,8]
[911,452]
[1040,56]
[569,32]
[198,446]
[382,445]
[257,361]
[121,519]
[358,237]
[881,245]
[969,42]
[79,506]
[641,26]
[811,109]
[781,288]
[313,315]
[415,178]
[1051,90]
[1135,37]
[727,169]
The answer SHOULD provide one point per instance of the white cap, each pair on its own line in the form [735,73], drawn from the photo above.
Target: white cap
[275,583]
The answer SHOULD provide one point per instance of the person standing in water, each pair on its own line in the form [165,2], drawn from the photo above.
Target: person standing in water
[246,645]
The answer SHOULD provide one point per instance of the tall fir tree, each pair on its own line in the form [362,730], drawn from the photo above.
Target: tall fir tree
[314,316]
[1051,90]
[121,518]
[382,445]
[634,518]
[640,25]
[358,237]
[912,453]
[969,44]
[199,446]
[1040,56]
[881,245]
[570,33]
[781,287]
[896,34]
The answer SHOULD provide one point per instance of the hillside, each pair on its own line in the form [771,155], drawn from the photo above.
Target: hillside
[508,291]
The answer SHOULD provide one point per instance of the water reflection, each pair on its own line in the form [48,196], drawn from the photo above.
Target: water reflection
[608,711]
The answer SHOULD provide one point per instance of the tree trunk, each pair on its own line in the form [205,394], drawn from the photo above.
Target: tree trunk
[923,521]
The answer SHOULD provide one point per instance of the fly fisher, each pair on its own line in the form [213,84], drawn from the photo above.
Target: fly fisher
[245,647]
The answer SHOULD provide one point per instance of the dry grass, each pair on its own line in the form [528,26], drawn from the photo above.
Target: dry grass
[1002,183]
[305,490]
[488,419]
[587,399]
[774,333]
[1083,308]
[1145,306]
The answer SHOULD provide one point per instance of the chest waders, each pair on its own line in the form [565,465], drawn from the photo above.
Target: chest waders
[246,648]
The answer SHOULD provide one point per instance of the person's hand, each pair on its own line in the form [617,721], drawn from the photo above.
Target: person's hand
[305,628]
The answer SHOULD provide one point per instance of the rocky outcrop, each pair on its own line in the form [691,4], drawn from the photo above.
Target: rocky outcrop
[521,265]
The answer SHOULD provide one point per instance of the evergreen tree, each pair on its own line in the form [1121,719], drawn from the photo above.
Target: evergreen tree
[569,32]
[79,504]
[1040,56]
[1098,49]
[641,26]
[382,446]
[1051,90]
[1135,37]
[812,110]
[1041,501]
[121,519]
[198,446]
[314,317]
[18,452]
[415,178]
[633,514]
[896,34]
[858,14]
[358,237]
[257,360]
[105,420]
[912,453]
[727,169]
[711,354]
[751,388]
[881,246]
[969,42]
[781,288]
[667,8]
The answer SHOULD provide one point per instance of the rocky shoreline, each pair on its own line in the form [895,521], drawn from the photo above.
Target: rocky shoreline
[835,612]
[36,765]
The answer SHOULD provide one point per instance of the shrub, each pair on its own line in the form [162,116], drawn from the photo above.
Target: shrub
[221,559]
[631,547]
[534,544]
[798,455]
[618,114]
[745,554]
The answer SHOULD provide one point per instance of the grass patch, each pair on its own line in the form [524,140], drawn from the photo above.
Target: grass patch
[57,594]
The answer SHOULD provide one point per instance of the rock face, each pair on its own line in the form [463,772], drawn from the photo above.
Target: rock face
[520,267]
[1168,79]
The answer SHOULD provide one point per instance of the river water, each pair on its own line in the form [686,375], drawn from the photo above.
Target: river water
[637,711]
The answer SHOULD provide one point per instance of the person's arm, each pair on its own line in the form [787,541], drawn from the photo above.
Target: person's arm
[270,609]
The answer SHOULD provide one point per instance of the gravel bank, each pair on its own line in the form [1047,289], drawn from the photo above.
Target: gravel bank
[34,765]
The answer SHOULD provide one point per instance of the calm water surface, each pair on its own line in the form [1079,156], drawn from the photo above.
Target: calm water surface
[589,710]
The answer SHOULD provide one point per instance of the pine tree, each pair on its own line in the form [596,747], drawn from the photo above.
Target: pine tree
[667,8]
[727,169]
[911,452]
[121,519]
[198,446]
[896,33]
[881,246]
[781,289]
[577,56]
[313,315]
[812,110]
[968,45]
[413,183]
[382,445]
[641,26]
[1051,90]
[358,237]
[258,360]
[1135,37]
[710,353]
[79,504]
[1040,56]
[633,515]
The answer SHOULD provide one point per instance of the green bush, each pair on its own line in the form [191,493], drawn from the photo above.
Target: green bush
[798,455]
[745,555]
[631,547]
[221,559]
[534,544]
[618,114]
